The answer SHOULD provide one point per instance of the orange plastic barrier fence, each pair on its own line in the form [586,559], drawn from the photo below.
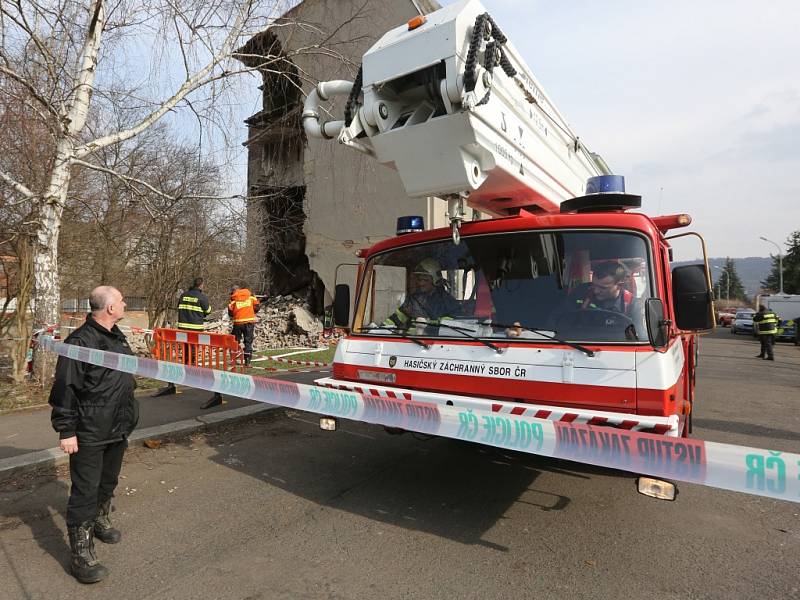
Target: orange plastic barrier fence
[196,348]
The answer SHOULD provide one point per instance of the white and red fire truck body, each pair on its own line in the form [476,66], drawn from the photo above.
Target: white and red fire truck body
[626,383]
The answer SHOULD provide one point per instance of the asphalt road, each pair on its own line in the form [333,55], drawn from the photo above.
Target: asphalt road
[276,508]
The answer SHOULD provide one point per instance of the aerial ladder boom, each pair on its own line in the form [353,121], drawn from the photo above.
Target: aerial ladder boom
[447,102]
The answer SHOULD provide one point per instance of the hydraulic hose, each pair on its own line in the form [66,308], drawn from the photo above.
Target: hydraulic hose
[312,121]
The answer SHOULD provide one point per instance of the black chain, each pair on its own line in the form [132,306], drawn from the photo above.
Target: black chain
[490,60]
[494,55]
[470,77]
[496,33]
[352,99]
[508,69]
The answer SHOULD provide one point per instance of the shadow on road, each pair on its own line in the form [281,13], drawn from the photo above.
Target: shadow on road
[456,490]
[33,500]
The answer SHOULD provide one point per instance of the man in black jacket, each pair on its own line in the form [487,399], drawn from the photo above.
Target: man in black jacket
[94,412]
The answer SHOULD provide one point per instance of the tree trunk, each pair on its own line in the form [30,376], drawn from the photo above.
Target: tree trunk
[19,352]
[46,306]
[45,256]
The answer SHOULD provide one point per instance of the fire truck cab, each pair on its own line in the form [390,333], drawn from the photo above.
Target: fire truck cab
[573,316]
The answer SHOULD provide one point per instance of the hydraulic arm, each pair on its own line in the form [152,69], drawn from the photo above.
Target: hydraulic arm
[447,102]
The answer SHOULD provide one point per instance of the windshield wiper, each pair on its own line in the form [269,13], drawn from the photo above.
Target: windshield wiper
[544,333]
[397,331]
[465,332]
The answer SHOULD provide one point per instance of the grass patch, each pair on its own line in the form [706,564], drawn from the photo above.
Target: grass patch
[323,356]
[145,383]
[14,396]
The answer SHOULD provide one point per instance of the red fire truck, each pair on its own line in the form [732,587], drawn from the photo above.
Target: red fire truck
[564,305]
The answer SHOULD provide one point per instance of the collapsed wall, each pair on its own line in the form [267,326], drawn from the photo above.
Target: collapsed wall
[313,203]
[276,248]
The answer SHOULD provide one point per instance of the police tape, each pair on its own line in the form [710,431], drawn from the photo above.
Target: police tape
[756,471]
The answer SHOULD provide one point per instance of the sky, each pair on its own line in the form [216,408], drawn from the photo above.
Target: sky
[697,104]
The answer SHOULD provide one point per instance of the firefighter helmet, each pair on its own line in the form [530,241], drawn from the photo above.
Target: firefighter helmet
[431,268]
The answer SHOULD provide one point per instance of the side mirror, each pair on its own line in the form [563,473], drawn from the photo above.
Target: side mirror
[657,325]
[692,297]
[341,305]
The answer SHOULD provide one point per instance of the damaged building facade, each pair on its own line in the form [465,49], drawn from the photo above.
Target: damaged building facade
[313,203]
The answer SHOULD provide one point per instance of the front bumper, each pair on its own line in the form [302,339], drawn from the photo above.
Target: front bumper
[670,425]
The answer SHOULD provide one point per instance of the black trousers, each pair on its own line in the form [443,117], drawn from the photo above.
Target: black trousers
[94,471]
[767,342]
[245,331]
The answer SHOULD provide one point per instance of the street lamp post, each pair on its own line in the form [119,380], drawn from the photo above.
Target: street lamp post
[727,282]
[780,262]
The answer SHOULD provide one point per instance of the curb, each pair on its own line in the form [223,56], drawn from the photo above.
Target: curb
[52,457]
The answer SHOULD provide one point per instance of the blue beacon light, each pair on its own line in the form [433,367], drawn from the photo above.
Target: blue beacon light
[605,184]
[410,224]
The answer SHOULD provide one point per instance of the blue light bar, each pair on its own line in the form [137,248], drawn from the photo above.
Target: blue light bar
[411,224]
[605,184]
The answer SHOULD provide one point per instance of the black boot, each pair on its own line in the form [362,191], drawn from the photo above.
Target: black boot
[103,530]
[166,391]
[84,565]
[215,400]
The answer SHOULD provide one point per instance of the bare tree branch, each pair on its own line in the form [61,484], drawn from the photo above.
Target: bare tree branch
[192,83]
[16,185]
[31,90]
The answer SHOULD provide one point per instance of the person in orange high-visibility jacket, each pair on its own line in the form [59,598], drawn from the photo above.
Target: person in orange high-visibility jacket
[242,310]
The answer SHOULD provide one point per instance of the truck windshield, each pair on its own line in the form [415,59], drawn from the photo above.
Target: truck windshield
[573,285]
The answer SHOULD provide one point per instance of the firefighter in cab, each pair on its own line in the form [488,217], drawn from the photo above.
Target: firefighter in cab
[242,311]
[429,302]
[602,307]
[606,291]
[766,324]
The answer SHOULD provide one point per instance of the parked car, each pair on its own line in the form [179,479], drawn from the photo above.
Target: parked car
[743,322]
[725,317]
[787,330]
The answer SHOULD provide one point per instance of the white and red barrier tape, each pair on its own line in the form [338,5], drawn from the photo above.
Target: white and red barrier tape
[277,370]
[304,363]
[738,468]
[54,328]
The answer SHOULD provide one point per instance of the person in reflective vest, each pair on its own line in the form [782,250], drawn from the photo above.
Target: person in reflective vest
[193,307]
[429,302]
[242,310]
[766,324]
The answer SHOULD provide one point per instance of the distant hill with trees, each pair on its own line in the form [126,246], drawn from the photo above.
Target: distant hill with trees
[751,270]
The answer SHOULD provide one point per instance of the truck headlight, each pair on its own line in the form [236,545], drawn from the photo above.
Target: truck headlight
[656,488]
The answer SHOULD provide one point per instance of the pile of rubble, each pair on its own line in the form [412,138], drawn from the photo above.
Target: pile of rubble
[283,322]
[138,343]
